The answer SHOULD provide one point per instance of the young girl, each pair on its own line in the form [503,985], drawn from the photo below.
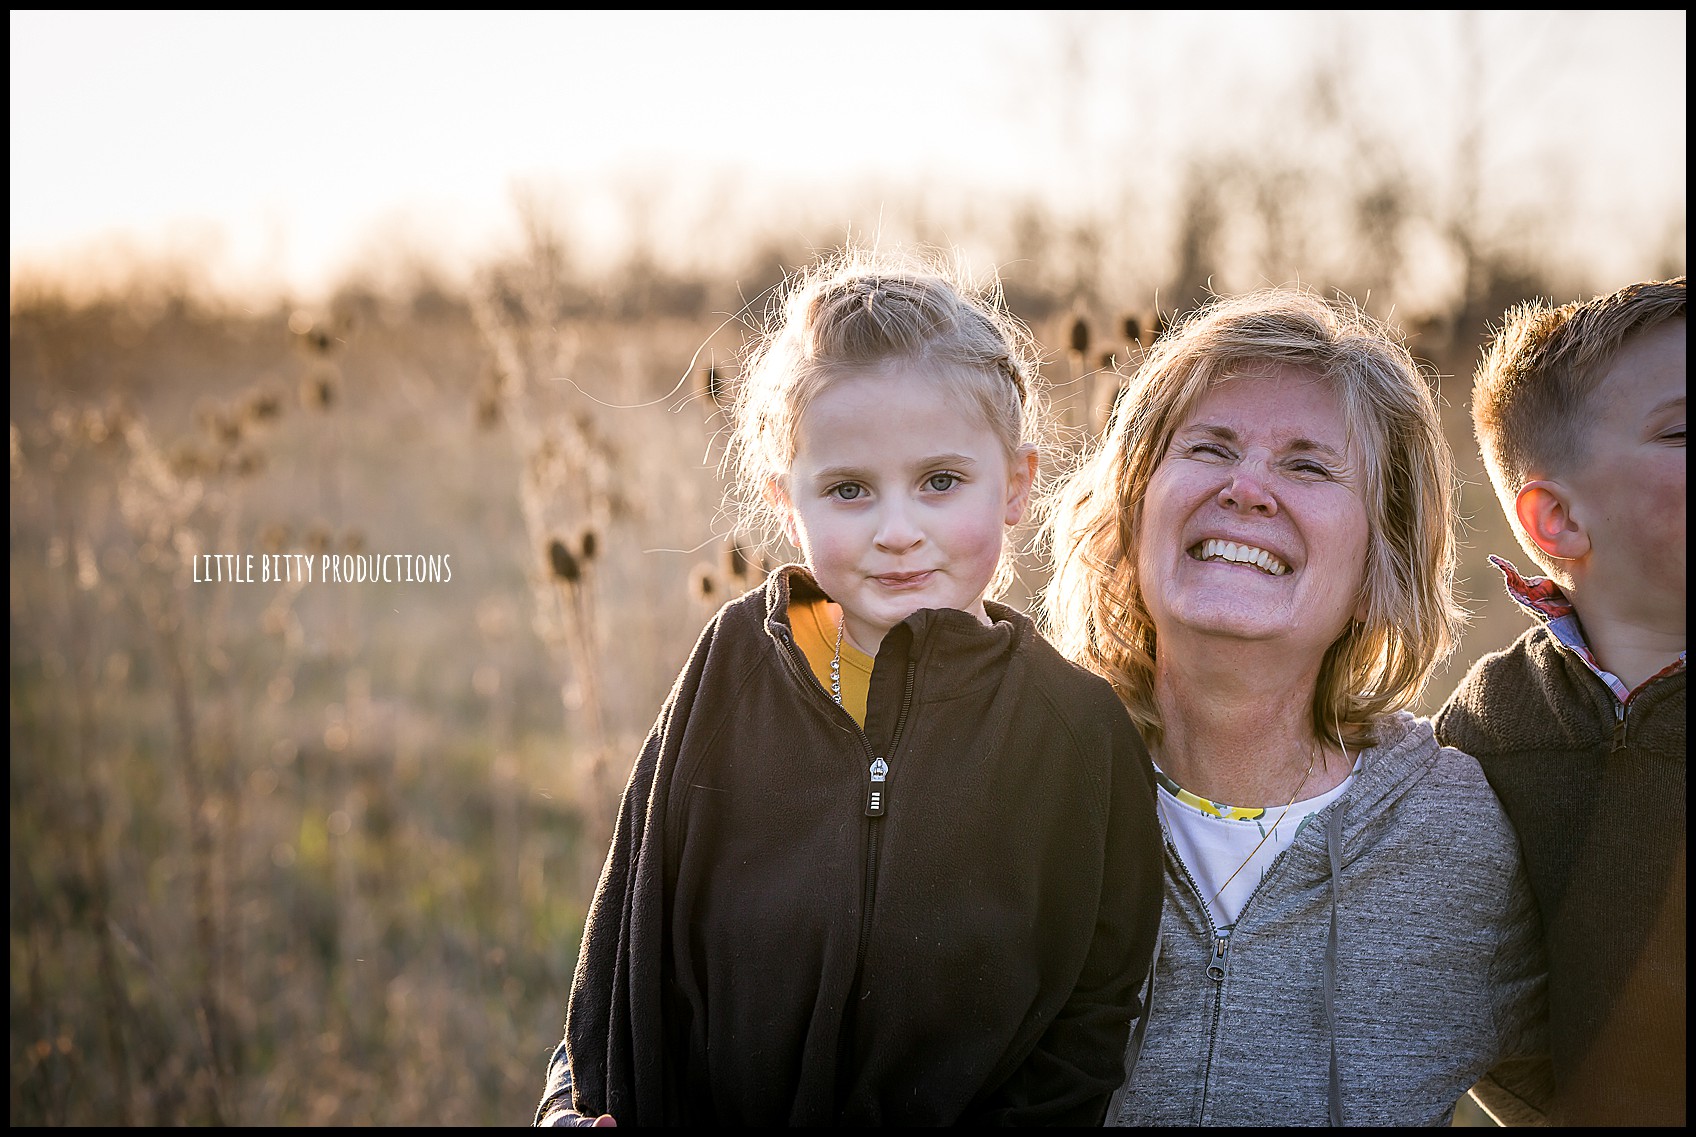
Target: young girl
[886,858]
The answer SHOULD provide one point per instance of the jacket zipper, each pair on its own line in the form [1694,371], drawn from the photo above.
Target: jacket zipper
[877,791]
[1217,963]
[1215,971]
[1619,728]
[877,801]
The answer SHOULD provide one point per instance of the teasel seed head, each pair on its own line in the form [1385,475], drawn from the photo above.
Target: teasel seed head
[318,389]
[1079,336]
[718,389]
[264,406]
[702,585]
[565,566]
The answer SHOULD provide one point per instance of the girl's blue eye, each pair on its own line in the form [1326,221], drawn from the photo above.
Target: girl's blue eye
[942,483]
[846,491]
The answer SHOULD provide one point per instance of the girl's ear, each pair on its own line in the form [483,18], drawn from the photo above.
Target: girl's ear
[777,496]
[1020,479]
[1545,514]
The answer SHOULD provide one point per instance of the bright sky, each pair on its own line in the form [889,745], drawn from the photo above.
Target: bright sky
[282,147]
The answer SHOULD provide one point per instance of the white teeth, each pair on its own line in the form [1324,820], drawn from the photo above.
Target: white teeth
[1215,549]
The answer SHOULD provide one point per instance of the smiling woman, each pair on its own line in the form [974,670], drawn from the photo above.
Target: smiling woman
[1256,529]
[1259,557]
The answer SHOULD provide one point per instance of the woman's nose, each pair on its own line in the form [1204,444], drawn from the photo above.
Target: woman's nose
[1247,491]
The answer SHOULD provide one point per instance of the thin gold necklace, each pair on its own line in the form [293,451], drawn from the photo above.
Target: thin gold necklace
[1220,891]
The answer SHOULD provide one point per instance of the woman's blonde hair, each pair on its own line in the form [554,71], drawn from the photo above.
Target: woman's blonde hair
[859,309]
[1095,611]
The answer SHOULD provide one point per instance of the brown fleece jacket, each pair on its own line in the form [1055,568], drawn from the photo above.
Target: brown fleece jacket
[1596,794]
[765,947]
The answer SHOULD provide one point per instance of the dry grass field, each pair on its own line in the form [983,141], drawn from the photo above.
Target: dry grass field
[312,852]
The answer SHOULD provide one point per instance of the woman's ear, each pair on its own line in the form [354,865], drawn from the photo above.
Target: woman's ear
[1544,510]
[777,496]
[1020,479]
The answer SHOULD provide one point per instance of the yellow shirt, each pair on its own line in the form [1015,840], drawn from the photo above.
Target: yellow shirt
[815,625]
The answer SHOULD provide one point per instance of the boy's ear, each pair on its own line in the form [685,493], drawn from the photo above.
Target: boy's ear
[1020,480]
[777,496]
[1545,514]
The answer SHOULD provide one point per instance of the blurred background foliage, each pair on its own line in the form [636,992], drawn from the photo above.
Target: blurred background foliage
[319,853]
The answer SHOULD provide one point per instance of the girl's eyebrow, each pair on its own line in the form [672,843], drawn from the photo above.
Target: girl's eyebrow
[948,460]
[1226,434]
[933,461]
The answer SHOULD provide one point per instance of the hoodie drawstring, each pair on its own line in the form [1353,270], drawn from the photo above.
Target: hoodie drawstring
[1334,846]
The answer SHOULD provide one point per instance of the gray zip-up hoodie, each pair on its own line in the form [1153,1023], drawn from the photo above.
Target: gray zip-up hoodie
[1389,958]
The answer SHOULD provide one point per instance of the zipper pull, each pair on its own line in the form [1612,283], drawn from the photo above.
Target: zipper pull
[1216,965]
[1619,729]
[874,800]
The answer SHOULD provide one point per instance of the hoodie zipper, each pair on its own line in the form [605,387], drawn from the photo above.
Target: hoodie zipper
[877,802]
[1216,963]
[877,788]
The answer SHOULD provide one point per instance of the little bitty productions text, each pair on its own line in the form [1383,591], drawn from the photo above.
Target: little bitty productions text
[326,568]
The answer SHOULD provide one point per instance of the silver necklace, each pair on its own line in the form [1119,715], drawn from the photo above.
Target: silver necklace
[836,665]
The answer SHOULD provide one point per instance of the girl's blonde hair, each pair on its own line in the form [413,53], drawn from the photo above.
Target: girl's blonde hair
[1095,611]
[859,309]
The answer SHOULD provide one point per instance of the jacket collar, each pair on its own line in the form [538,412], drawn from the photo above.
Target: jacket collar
[938,635]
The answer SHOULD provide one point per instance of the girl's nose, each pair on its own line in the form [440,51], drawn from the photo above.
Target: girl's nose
[896,530]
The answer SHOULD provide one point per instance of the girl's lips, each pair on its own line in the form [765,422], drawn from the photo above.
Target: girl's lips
[903,579]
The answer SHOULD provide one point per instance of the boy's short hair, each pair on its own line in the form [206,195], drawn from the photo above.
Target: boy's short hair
[1531,395]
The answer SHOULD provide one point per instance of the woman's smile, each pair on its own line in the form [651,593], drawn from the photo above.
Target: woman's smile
[1231,553]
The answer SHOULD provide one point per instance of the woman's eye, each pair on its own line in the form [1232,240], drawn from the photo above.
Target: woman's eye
[846,491]
[1313,469]
[1208,450]
[942,483]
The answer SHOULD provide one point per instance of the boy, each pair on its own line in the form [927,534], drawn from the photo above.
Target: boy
[1579,724]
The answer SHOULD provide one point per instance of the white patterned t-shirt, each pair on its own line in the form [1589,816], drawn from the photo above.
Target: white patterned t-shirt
[1214,841]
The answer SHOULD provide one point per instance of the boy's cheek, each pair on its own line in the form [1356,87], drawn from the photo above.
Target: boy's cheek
[1649,524]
